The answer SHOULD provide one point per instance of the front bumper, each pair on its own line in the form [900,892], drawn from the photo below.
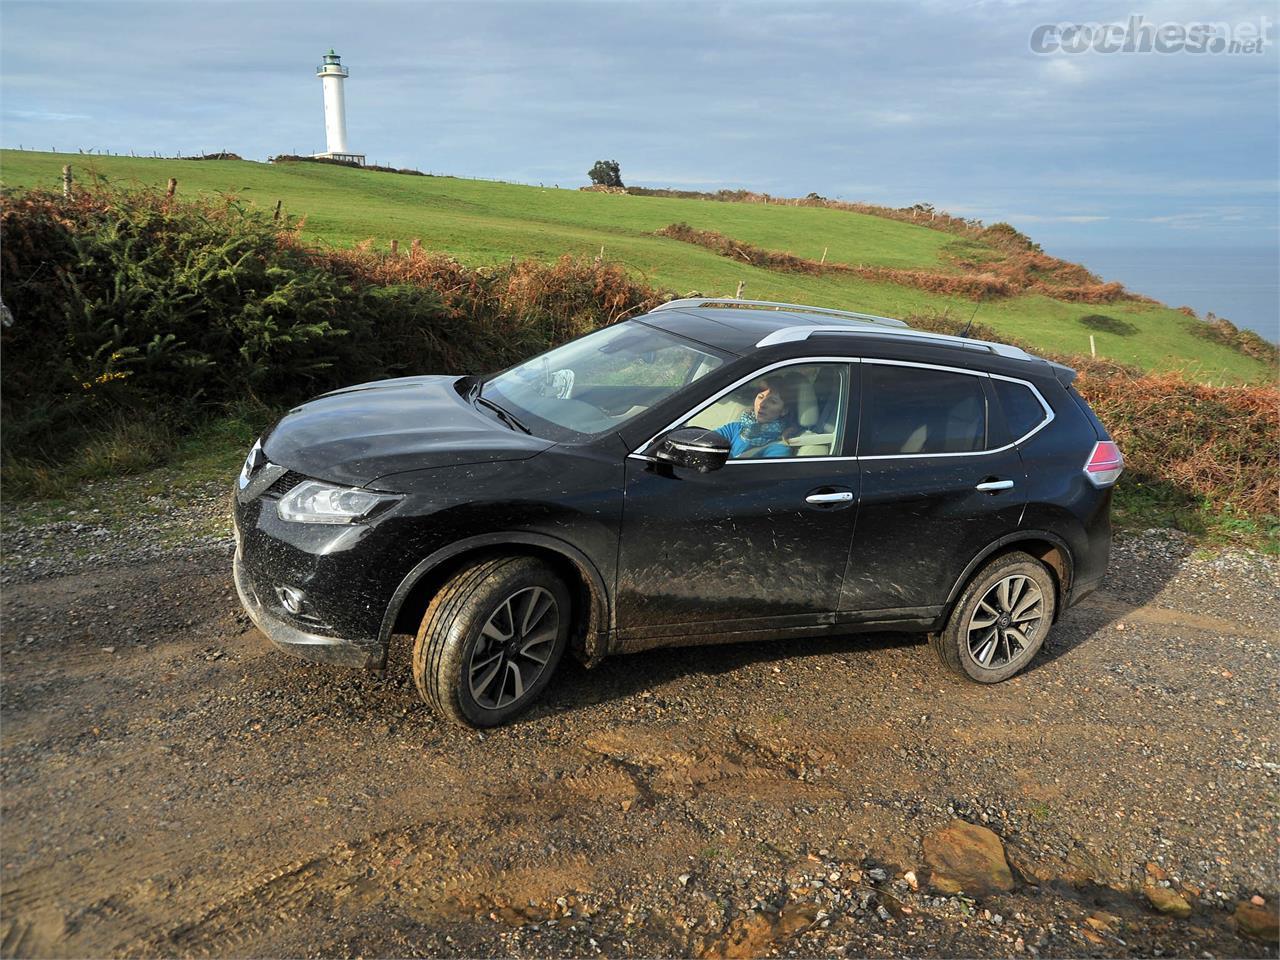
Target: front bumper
[299,643]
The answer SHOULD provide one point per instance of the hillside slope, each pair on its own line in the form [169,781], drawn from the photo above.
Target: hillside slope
[482,222]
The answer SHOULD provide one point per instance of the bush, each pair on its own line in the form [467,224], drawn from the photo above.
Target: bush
[134,303]
[1221,330]
[1214,444]
[136,300]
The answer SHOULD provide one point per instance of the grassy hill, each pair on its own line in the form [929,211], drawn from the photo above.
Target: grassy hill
[482,222]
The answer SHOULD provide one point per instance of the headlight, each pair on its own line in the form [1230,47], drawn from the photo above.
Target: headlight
[315,502]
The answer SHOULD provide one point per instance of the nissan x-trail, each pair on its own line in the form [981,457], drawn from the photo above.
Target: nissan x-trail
[713,471]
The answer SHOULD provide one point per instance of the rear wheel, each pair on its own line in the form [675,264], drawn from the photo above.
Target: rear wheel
[1000,620]
[491,639]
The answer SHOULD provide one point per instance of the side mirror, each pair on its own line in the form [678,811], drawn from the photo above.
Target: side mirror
[693,447]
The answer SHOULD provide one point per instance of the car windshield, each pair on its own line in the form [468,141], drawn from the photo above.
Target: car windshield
[597,383]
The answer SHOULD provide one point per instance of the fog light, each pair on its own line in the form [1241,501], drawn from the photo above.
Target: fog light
[292,599]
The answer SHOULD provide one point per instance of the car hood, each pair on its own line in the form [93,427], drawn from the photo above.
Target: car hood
[360,433]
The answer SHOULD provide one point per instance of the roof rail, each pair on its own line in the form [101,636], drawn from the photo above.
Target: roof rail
[731,302]
[794,334]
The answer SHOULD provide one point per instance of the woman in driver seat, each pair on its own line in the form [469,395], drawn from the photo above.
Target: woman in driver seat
[764,430]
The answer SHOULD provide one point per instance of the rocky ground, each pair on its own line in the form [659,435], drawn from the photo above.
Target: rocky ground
[173,786]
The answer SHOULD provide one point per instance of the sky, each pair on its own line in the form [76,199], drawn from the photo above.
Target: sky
[890,103]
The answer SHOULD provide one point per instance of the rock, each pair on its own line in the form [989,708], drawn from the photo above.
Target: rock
[877,875]
[1166,901]
[912,882]
[1259,922]
[1032,870]
[1083,868]
[1257,901]
[1101,920]
[964,857]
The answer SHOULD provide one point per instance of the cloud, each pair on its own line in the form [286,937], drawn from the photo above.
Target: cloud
[44,116]
[1062,70]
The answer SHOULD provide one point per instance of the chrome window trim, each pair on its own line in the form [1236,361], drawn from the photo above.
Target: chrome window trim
[795,361]
[1044,405]
[759,372]
[973,373]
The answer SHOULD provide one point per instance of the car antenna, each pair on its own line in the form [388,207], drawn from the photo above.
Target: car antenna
[969,326]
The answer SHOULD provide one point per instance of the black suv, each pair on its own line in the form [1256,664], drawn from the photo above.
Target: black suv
[714,471]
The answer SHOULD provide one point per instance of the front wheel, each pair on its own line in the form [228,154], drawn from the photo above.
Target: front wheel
[1000,621]
[491,639]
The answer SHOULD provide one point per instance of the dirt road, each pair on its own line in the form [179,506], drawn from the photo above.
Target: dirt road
[173,786]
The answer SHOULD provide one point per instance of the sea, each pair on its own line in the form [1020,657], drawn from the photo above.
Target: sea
[1239,283]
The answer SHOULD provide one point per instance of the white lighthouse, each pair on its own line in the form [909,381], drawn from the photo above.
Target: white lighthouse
[332,73]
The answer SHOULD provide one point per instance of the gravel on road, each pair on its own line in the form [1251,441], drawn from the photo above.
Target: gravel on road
[174,786]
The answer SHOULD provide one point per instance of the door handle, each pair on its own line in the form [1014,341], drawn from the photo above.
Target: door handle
[990,486]
[842,497]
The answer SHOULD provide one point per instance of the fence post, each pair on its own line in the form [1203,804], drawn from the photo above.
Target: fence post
[1093,347]
[742,284]
[172,188]
[415,248]
[66,180]
[395,247]
[276,215]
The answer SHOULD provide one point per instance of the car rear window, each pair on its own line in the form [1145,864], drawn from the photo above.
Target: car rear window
[914,410]
[1022,411]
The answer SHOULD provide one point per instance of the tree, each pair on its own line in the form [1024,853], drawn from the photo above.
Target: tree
[606,173]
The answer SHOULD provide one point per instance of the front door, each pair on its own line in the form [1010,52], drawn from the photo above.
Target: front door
[761,543]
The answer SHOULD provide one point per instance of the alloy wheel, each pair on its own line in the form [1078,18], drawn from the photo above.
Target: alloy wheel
[1005,622]
[514,647]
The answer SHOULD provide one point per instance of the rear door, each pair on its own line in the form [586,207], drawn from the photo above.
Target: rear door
[940,482]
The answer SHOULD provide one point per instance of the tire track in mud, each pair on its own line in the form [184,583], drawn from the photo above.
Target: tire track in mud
[437,870]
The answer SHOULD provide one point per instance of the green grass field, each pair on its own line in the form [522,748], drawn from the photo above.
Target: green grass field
[482,222]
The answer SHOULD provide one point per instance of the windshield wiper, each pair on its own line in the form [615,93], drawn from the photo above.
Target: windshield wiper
[504,415]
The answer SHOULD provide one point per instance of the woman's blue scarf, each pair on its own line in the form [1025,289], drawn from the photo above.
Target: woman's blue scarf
[757,434]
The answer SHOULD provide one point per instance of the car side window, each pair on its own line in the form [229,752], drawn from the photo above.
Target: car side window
[1022,410]
[916,410]
[792,411]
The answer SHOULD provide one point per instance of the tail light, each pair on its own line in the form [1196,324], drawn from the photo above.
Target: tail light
[1105,464]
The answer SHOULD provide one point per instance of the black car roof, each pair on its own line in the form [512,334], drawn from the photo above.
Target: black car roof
[736,330]
[744,327]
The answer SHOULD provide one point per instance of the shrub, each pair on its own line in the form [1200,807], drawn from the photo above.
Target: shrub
[132,303]
[1216,444]
[746,252]
[137,300]
[1221,330]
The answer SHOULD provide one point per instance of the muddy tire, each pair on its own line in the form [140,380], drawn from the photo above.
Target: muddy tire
[491,639]
[1000,620]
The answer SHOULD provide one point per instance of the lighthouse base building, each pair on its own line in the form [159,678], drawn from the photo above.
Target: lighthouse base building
[332,74]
